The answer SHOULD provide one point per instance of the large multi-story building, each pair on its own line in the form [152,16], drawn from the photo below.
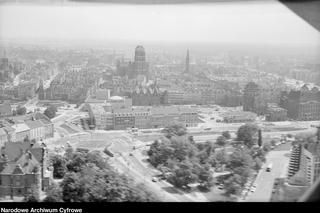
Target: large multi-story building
[139,68]
[109,117]
[239,117]
[276,113]
[303,104]
[308,169]
[35,126]
[253,99]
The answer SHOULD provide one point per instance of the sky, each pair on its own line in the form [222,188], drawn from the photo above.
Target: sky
[265,22]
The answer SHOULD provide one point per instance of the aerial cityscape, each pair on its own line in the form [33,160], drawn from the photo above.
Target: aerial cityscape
[148,121]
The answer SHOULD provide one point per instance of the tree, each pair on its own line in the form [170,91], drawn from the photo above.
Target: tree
[259,138]
[183,175]
[54,193]
[233,185]
[175,129]
[266,147]
[50,112]
[205,177]
[221,141]
[59,166]
[33,195]
[226,134]
[21,110]
[220,158]
[258,164]
[240,163]
[246,134]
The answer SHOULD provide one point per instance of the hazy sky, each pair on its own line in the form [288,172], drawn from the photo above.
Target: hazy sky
[269,22]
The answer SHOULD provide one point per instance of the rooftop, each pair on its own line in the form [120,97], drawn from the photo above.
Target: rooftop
[21,127]
[34,124]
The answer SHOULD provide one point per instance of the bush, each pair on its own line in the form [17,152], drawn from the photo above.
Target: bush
[226,134]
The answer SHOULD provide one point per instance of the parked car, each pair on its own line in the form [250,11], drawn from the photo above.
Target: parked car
[252,189]
[154,179]
[221,186]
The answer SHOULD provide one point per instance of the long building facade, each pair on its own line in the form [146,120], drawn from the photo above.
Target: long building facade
[303,104]
[108,117]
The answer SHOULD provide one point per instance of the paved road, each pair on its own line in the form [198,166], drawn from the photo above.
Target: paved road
[265,180]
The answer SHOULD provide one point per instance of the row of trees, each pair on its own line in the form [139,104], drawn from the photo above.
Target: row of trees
[248,156]
[87,177]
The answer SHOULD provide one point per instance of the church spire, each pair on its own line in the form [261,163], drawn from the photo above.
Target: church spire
[187,61]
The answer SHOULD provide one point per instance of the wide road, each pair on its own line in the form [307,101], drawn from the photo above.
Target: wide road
[265,180]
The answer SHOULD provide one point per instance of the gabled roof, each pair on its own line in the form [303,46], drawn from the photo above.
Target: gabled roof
[26,164]
[21,127]
[8,129]
[10,167]
[34,124]
[15,150]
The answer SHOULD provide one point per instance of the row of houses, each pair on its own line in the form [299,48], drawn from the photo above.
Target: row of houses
[33,127]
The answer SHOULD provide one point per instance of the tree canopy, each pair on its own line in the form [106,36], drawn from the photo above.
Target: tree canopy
[175,129]
[21,110]
[226,134]
[246,133]
[185,161]
[221,141]
[50,112]
[89,178]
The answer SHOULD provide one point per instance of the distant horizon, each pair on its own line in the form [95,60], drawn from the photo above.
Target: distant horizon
[264,22]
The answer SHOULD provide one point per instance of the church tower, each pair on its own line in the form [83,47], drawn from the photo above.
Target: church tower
[41,90]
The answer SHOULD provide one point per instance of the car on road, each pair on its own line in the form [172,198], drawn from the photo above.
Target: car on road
[207,129]
[221,186]
[131,154]
[252,189]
